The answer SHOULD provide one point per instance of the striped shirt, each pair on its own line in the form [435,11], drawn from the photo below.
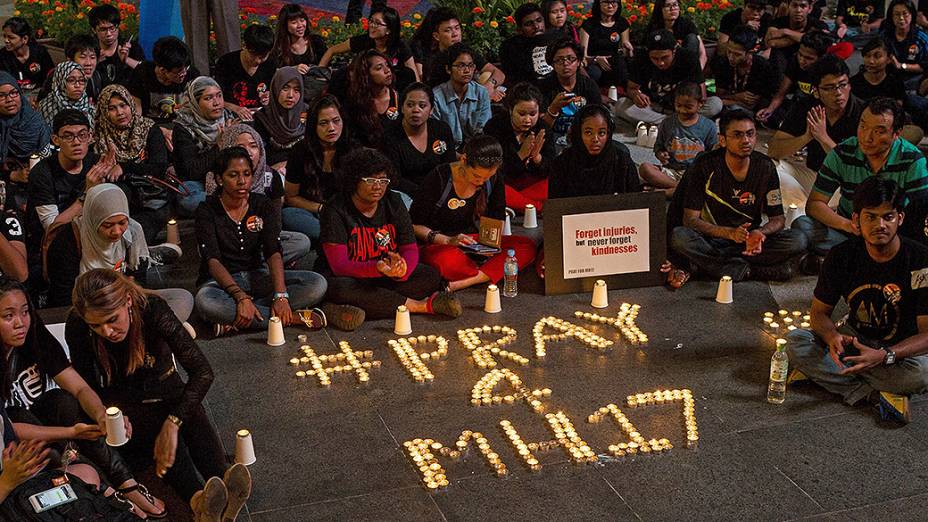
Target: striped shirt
[845,167]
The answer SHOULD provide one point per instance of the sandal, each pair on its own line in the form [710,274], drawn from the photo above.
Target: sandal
[148,496]
[677,277]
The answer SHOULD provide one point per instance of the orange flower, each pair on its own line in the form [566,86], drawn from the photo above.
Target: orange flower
[633,18]
[643,10]
[478,24]
[494,24]
[477,10]
[510,20]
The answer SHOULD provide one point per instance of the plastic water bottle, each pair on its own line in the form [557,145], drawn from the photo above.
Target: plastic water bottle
[511,275]
[779,369]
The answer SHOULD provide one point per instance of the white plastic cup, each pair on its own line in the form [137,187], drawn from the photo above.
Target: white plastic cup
[33,161]
[600,295]
[275,332]
[244,448]
[403,324]
[724,294]
[173,232]
[641,134]
[613,93]
[115,427]
[531,217]
[792,212]
[492,304]
[652,136]
[507,226]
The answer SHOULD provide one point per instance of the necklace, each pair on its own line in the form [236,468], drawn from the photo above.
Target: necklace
[241,212]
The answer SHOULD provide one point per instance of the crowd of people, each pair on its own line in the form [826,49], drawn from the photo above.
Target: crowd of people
[380,157]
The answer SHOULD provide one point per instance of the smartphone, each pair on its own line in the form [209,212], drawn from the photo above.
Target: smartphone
[569,95]
[52,498]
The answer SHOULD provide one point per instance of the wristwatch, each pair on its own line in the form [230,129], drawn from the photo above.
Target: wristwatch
[890,357]
[281,295]
[175,420]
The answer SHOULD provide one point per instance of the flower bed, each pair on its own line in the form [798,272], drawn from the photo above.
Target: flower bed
[59,20]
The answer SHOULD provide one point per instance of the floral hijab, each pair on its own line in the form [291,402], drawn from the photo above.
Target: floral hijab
[129,142]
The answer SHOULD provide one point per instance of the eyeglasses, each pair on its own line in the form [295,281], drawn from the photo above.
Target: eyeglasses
[609,2]
[76,81]
[74,138]
[831,89]
[370,182]
[566,60]
[103,29]
[671,6]
[464,66]
[377,23]
[4,96]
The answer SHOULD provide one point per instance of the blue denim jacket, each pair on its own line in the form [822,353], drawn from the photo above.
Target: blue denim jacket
[467,116]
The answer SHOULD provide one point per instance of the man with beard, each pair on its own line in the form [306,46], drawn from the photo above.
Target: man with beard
[725,193]
[877,150]
[876,352]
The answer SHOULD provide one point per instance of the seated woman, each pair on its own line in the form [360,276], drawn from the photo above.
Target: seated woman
[522,134]
[312,165]
[280,122]
[371,259]
[420,143]
[196,128]
[461,102]
[47,400]
[103,236]
[555,12]
[446,214]
[139,149]
[372,101]
[604,43]
[23,131]
[384,36]
[594,164]
[295,45]
[237,231]
[126,344]
[666,15]
[69,91]
[293,244]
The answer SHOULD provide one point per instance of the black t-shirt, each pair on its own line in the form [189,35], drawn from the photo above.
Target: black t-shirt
[727,202]
[891,86]
[113,70]
[658,84]
[683,26]
[514,171]
[801,78]
[884,299]
[318,47]
[434,70]
[794,124]
[397,55]
[315,184]
[857,11]
[523,59]
[411,165]
[811,23]
[367,238]
[586,91]
[431,207]
[33,365]
[11,226]
[238,86]
[763,79]
[240,247]
[33,71]
[732,19]
[604,41]
[49,184]
[159,101]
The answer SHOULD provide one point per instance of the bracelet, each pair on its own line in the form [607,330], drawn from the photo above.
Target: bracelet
[430,239]
[241,297]
[174,419]
[550,113]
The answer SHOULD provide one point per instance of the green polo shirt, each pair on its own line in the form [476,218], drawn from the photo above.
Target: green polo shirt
[845,167]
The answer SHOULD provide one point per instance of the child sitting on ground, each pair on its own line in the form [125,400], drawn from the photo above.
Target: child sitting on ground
[680,139]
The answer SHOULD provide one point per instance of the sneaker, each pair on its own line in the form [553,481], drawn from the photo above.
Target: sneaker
[892,407]
[313,319]
[811,264]
[209,503]
[779,272]
[190,330]
[796,376]
[222,329]
[445,303]
[164,254]
[343,317]
[238,484]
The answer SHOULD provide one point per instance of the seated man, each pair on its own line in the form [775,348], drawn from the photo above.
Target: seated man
[81,49]
[523,54]
[815,123]
[754,15]
[157,86]
[245,76]
[795,82]
[877,149]
[785,33]
[461,102]
[118,55]
[654,77]
[878,350]
[728,191]
[742,77]
[434,62]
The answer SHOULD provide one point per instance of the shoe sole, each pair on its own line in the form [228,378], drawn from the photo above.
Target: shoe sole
[213,501]
[344,317]
[895,407]
[238,485]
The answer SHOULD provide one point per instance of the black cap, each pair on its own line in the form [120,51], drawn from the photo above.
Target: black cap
[662,40]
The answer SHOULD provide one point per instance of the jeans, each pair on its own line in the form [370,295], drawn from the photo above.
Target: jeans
[293,246]
[821,238]
[214,305]
[720,257]
[809,354]
[380,296]
[179,300]
[187,206]
[302,221]
[59,408]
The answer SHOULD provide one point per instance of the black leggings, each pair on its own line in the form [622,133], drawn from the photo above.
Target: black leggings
[199,452]
[59,408]
[379,297]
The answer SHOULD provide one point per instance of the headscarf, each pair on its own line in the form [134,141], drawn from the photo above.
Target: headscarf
[227,140]
[25,132]
[203,129]
[57,100]
[129,142]
[284,126]
[102,202]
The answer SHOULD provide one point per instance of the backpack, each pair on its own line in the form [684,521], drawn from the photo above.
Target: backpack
[89,506]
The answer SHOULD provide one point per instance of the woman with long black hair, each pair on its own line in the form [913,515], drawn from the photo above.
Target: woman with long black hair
[372,101]
[295,45]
